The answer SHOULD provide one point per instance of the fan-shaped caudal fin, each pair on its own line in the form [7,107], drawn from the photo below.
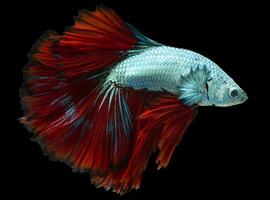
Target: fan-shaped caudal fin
[92,124]
[160,125]
[74,116]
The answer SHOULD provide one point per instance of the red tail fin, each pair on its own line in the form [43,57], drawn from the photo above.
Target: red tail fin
[63,98]
[89,123]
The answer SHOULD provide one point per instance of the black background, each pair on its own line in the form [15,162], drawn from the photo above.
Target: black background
[221,154]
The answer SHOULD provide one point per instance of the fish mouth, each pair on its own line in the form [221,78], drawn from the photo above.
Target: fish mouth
[243,97]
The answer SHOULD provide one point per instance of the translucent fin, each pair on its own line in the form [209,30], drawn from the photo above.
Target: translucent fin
[193,86]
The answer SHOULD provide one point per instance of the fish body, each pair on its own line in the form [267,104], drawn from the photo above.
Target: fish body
[165,68]
[156,68]
[102,97]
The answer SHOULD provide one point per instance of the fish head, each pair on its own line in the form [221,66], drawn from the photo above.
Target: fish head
[221,90]
[210,86]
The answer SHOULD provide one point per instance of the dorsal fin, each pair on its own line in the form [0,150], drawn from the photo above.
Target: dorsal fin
[97,41]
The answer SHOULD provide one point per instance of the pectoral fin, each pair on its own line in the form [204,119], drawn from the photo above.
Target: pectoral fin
[193,86]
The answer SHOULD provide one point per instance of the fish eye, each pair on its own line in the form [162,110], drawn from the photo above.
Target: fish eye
[234,92]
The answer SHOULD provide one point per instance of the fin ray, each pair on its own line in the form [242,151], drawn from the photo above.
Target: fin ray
[193,86]
[90,124]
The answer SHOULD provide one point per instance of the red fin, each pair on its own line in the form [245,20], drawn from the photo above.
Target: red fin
[79,119]
[96,41]
[175,117]
[161,125]
[62,93]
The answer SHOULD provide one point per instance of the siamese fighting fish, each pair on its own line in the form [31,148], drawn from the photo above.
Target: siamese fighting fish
[102,97]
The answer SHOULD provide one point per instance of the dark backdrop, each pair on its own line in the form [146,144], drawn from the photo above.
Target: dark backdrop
[220,155]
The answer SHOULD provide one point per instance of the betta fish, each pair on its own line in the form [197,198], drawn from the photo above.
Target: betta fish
[102,97]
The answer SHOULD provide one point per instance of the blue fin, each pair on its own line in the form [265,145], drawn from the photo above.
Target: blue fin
[193,86]
[143,41]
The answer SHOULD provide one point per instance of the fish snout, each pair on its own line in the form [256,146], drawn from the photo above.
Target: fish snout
[243,97]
